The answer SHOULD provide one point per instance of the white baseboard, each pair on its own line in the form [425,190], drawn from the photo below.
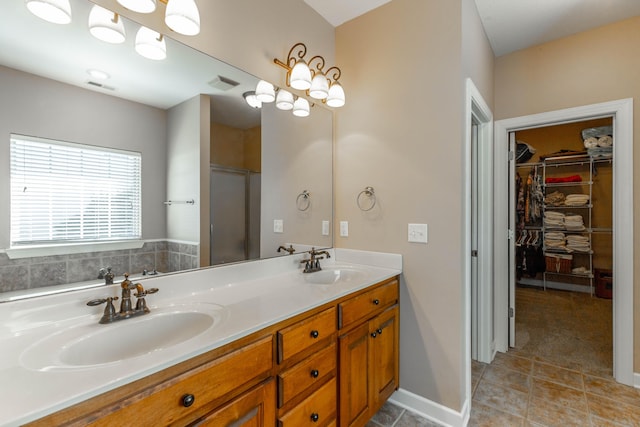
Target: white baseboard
[636,380]
[431,410]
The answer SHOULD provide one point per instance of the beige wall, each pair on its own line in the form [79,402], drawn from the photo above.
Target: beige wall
[591,67]
[401,133]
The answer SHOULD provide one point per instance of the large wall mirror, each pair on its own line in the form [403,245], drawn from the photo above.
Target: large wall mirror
[221,181]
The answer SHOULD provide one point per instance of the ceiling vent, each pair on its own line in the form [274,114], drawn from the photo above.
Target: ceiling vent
[223,83]
[100,85]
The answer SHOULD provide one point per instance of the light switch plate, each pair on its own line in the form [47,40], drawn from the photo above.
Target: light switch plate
[325,228]
[278,226]
[344,228]
[418,233]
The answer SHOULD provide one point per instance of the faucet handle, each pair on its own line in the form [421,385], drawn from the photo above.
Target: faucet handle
[109,311]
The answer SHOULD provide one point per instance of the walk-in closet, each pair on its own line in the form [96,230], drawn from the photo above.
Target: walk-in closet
[563,187]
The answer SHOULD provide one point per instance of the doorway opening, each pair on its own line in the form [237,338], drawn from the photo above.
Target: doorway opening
[562,252]
[622,223]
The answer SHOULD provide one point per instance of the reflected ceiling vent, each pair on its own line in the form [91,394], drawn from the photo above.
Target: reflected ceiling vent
[100,85]
[223,83]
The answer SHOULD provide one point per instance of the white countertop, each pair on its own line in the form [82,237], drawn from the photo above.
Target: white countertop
[250,296]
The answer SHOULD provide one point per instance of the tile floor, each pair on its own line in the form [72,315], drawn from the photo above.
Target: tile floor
[559,374]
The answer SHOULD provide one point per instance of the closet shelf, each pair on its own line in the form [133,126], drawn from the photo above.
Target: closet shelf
[548,207]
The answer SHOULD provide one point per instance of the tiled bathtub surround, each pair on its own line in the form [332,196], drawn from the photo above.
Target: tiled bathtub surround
[37,272]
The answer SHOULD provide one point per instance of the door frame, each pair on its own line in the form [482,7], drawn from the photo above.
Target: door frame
[622,113]
[477,111]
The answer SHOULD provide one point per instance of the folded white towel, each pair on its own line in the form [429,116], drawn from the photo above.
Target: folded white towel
[591,142]
[605,141]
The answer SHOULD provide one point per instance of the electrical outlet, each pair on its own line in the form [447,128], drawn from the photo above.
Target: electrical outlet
[418,233]
[325,228]
[344,228]
[278,226]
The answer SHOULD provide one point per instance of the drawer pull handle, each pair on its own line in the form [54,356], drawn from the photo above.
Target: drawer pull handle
[373,335]
[188,400]
[379,331]
[315,334]
[315,373]
[376,301]
[315,417]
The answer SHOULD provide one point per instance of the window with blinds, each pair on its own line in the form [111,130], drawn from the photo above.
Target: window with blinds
[67,193]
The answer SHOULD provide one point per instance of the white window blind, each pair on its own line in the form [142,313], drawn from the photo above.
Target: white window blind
[64,192]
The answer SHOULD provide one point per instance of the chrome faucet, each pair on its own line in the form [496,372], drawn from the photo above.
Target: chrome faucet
[290,249]
[312,264]
[126,309]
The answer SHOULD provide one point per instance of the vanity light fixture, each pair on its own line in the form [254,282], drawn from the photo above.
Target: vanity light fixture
[150,44]
[252,100]
[106,25]
[54,11]
[311,77]
[301,107]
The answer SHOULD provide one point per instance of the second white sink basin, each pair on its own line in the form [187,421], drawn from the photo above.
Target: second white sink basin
[93,344]
[334,274]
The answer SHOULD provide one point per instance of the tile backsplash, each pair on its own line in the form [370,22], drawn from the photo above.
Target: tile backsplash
[37,272]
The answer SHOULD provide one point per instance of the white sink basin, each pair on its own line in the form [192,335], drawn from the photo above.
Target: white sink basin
[334,274]
[90,345]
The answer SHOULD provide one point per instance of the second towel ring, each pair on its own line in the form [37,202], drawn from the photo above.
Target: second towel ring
[370,193]
[303,201]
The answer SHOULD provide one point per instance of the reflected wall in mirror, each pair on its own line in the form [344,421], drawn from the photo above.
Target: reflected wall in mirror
[187,117]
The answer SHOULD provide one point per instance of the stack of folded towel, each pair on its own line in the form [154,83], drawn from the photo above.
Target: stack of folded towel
[554,199]
[578,243]
[600,143]
[573,222]
[555,240]
[576,199]
[553,220]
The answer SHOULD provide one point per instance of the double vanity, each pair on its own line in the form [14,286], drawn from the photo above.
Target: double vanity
[241,344]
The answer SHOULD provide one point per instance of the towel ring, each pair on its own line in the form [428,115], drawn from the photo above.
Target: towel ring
[303,201]
[368,191]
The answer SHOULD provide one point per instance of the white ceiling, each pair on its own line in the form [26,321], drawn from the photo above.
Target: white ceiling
[511,24]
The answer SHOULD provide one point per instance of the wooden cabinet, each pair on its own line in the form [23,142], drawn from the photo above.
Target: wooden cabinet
[333,365]
[256,408]
[368,355]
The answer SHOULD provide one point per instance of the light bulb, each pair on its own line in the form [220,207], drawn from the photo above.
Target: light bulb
[336,95]
[106,25]
[301,108]
[300,76]
[54,11]
[182,16]
[319,86]
[151,44]
[284,100]
[265,92]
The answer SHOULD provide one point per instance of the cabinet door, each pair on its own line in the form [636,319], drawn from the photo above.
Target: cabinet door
[354,377]
[385,355]
[256,408]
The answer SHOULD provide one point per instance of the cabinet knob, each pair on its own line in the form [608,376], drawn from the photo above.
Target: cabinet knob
[315,334]
[315,417]
[379,331]
[376,301]
[187,400]
[315,373]
[373,335]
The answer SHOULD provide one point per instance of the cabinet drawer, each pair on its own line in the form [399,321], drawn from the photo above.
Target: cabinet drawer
[167,402]
[366,305]
[304,334]
[319,409]
[306,374]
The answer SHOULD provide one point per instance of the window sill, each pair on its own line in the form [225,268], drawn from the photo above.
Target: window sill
[49,250]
